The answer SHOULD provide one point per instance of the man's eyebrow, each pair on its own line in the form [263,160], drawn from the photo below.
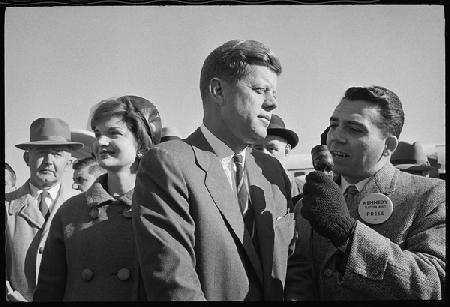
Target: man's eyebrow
[332,118]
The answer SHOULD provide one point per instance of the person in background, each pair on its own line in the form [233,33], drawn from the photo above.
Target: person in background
[10,178]
[411,158]
[85,173]
[376,233]
[90,253]
[278,143]
[30,209]
[169,133]
[213,220]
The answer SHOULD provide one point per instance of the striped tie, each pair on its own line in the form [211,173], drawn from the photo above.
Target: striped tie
[350,193]
[43,207]
[243,195]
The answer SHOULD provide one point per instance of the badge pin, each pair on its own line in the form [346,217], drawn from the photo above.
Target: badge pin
[375,208]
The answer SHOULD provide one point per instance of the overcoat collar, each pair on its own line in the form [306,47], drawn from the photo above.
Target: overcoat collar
[25,205]
[223,196]
[97,195]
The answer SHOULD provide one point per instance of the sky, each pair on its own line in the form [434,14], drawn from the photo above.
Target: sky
[60,61]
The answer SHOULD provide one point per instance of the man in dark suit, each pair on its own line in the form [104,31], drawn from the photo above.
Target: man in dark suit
[377,233]
[213,219]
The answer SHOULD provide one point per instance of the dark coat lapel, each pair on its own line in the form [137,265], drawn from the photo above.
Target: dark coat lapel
[262,201]
[223,196]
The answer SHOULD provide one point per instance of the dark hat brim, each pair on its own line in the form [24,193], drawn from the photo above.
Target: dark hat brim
[414,167]
[290,136]
[28,145]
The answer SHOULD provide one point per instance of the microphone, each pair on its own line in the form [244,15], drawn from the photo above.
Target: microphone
[321,159]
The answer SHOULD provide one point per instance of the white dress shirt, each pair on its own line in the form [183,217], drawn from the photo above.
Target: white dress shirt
[51,195]
[224,153]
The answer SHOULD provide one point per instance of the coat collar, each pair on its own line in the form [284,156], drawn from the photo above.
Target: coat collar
[97,195]
[383,181]
[24,204]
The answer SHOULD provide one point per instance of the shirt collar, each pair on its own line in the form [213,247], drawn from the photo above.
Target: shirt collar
[220,148]
[53,191]
[359,185]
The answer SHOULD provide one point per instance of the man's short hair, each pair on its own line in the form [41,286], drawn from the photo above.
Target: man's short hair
[91,164]
[391,108]
[230,62]
[11,172]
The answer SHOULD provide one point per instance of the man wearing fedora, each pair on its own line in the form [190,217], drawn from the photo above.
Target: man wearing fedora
[278,143]
[29,209]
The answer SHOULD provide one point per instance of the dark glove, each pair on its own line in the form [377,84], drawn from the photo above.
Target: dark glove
[325,208]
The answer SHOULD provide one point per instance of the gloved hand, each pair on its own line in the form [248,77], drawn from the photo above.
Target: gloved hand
[325,208]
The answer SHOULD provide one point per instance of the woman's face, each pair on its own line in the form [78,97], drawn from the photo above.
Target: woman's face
[115,146]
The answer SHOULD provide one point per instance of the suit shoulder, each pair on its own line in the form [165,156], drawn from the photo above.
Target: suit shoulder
[419,184]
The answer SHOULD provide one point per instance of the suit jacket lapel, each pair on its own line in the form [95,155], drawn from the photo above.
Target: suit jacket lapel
[223,196]
[262,200]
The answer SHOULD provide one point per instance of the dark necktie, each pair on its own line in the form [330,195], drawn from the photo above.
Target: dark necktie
[43,207]
[243,195]
[350,194]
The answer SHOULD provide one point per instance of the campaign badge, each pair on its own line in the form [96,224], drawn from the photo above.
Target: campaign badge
[375,208]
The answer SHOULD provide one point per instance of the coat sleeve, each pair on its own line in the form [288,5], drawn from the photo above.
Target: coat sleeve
[299,279]
[53,270]
[378,267]
[164,229]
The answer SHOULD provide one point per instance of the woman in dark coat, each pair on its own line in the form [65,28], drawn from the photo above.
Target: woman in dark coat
[90,251]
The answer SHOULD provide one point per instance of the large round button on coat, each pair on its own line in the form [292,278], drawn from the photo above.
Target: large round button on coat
[94,213]
[87,274]
[41,249]
[123,274]
[127,213]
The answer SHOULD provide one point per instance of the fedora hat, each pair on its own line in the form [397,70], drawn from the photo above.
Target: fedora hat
[49,132]
[410,157]
[87,138]
[278,128]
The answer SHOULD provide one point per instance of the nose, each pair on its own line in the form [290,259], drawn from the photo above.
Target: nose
[270,101]
[335,135]
[101,141]
[48,158]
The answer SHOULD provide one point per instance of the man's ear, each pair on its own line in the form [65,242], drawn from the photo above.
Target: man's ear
[26,157]
[390,145]
[287,149]
[69,163]
[216,89]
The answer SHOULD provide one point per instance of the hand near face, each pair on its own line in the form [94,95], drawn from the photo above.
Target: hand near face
[325,208]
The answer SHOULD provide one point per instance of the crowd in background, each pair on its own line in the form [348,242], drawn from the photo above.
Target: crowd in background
[217,215]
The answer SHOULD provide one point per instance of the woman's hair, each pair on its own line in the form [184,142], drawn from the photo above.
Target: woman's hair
[139,114]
